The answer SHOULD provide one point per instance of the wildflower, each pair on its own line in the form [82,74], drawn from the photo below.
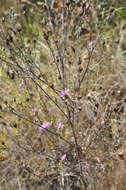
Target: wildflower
[63,93]
[33,110]
[98,7]
[63,157]
[60,126]
[45,125]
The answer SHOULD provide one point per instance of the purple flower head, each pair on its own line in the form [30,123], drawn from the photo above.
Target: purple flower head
[63,93]
[98,6]
[60,126]
[45,125]
[63,157]
[33,110]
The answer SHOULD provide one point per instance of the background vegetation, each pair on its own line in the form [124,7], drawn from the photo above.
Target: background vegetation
[62,95]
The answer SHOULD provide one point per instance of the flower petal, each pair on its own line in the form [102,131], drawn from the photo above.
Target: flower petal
[63,157]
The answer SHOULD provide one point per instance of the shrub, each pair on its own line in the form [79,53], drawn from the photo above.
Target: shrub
[62,96]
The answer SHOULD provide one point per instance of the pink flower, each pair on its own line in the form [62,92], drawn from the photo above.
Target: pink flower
[33,110]
[63,157]
[98,6]
[60,126]
[63,93]
[45,125]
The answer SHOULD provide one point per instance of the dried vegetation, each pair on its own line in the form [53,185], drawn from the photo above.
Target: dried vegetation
[62,95]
